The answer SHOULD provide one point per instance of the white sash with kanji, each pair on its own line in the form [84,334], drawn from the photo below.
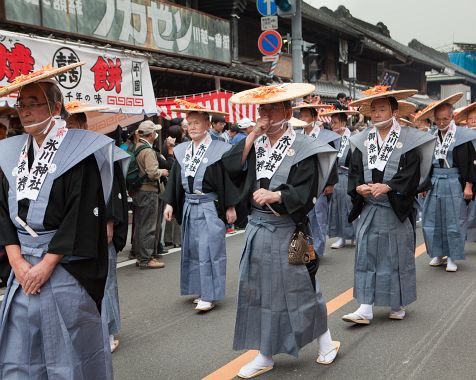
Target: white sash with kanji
[344,141]
[377,159]
[29,183]
[441,149]
[269,158]
[192,160]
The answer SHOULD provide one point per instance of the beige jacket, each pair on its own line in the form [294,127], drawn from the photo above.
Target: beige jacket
[148,164]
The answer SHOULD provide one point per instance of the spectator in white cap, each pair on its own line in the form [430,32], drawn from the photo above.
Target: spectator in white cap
[247,125]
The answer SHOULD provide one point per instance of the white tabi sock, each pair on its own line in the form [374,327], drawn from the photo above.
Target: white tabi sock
[325,342]
[366,311]
[111,340]
[259,362]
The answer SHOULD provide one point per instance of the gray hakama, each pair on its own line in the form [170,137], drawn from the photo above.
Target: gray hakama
[110,303]
[341,203]
[318,219]
[319,215]
[58,333]
[471,221]
[384,259]
[110,310]
[278,310]
[203,265]
[444,210]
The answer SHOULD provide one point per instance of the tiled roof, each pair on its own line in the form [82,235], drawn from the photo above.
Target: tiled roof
[441,58]
[330,21]
[330,89]
[238,71]
[380,34]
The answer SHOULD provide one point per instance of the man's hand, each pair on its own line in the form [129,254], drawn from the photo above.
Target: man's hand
[363,190]
[379,189]
[110,231]
[164,173]
[468,191]
[328,190]
[231,215]
[20,268]
[168,213]
[40,273]
[263,196]
[261,127]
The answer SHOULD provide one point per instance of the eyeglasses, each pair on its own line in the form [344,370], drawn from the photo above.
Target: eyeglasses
[262,109]
[29,107]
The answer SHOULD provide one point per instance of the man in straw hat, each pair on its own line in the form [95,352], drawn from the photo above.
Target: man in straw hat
[280,171]
[53,199]
[117,219]
[388,165]
[467,115]
[319,215]
[201,196]
[453,175]
[340,203]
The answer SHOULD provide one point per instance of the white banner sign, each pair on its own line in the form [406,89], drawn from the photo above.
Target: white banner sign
[269,22]
[109,78]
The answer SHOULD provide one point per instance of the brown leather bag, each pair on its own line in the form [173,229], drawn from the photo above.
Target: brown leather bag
[298,251]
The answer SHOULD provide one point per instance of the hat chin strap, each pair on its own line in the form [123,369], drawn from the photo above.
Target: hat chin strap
[47,127]
[380,124]
[281,123]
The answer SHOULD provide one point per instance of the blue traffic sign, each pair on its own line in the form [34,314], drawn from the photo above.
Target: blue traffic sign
[270,42]
[267,7]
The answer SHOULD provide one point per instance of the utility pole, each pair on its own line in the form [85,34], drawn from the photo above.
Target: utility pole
[297,43]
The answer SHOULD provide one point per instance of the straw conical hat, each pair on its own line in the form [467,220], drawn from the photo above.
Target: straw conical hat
[320,107]
[380,92]
[273,94]
[404,109]
[46,72]
[186,107]
[337,112]
[74,107]
[407,122]
[429,111]
[461,115]
[297,123]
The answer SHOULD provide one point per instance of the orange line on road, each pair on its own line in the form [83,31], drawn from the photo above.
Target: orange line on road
[230,370]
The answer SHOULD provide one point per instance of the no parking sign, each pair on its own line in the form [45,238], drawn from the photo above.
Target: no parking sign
[270,42]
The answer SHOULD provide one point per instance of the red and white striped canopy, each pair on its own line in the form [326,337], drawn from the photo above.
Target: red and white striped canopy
[218,100]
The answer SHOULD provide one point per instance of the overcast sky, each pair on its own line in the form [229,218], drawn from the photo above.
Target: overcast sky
[434,22]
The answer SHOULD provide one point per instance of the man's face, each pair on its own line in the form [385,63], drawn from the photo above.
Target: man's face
[3,132]
[471,121]
[380,110]
[219,126]
[336,124]
[151,137]
[33,108]
[276,112]
[198,125]
[306,115]
[443,117]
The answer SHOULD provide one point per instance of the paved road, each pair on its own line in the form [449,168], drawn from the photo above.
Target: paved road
[164,338]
